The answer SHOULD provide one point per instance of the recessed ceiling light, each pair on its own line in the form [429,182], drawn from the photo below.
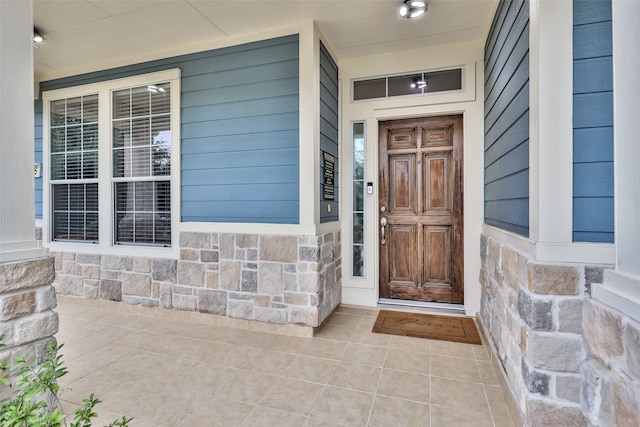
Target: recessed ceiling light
[411,9]
[37,37]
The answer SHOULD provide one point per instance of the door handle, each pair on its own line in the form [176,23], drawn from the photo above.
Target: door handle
[383,224]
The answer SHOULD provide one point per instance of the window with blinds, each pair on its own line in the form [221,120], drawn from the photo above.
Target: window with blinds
[74,168]
[109,163]
[141,144]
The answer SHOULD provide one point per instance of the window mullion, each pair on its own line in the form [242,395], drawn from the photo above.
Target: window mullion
[105,202]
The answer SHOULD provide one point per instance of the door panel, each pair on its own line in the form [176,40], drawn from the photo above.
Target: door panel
[438,191]
[437,254]
[421,254]
[436,136]
[402,138]
[402,184]
[403,253]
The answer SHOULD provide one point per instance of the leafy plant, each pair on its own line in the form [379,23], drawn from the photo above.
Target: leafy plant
[36,402]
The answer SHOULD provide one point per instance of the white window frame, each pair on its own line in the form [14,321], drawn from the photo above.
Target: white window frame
[364,202]
[106,208]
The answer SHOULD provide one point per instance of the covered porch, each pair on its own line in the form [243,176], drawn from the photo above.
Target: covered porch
[149,364]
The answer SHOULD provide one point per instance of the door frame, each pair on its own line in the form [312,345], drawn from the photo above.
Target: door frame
[469,102]
[458,268]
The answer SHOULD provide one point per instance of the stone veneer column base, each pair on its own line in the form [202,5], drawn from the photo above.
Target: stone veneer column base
[514,411]
[273,279]
[611,370]
[27,319]
[532,314]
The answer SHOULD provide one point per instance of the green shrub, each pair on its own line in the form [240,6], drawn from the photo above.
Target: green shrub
[36,402]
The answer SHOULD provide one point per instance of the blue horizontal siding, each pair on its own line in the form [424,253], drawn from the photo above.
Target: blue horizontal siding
[593,110]
[508,187]
[593,75]
[240,126]
[593,144]
[593,179]
[287,68]
[244,125]
[265,158]
[592,237]
[506,118]
[244,192]
[590,11]
[37,106]
[229,110]
[593,169]
[249,92]
[241,142]
[271,212]
[229,58]
[507,214]
[592,40]
[239,129]
[596,215]
[515,135]
[505,101]
[329,131]
[512,115]
[510,19]
[240,175]
[514,161]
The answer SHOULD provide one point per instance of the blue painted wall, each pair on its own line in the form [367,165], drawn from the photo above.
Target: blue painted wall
[240,133]
[506,107]
[38,155]
[328,129]
[593,206]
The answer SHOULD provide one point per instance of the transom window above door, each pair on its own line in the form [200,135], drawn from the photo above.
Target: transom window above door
[407,84]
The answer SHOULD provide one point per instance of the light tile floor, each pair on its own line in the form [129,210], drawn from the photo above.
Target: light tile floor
[167,373]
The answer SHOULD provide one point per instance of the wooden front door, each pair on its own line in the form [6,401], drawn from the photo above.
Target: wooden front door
[420,209]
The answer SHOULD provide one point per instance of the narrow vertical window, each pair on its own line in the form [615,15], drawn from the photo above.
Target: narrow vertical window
[74,168]
[141,142]
[357,229]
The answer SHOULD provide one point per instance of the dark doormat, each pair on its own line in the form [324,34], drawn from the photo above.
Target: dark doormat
[421,325]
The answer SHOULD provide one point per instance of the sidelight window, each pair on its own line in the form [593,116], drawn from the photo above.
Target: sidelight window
[358,185]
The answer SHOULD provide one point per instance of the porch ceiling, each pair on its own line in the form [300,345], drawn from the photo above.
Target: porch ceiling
[86,35]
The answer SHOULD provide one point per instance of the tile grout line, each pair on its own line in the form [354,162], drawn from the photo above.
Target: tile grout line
[430,385]
[326,383]
[375,393]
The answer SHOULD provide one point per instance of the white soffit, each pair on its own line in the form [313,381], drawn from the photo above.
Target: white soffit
[85,35]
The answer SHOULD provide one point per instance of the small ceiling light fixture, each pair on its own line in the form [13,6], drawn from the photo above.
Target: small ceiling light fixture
[411,9]
[418,84]
[37,37]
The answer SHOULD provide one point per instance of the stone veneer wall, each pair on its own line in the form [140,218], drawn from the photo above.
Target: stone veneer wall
[267,278]
[27,319]
[611,370]
[533,314]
